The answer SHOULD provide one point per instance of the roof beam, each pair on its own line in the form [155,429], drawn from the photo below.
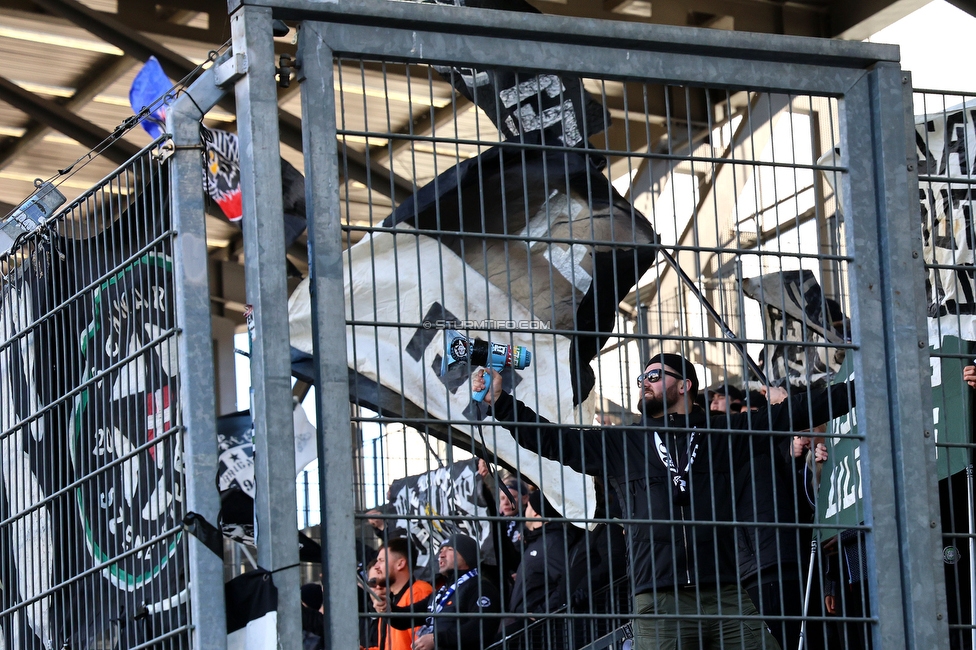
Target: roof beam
[360,166]
[800,18]
[102,74]
[657,103]
[139,15]
[144,16]
[60,118]
[969,6]
[430,121]
[100,78]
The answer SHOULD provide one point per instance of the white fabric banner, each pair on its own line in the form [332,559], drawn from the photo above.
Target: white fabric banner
[946,148]
[407,279]
[30,536]
[945,144]
[259,634]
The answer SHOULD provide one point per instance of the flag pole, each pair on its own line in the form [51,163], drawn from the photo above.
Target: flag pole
[814,541]
[806,593]
[726,330]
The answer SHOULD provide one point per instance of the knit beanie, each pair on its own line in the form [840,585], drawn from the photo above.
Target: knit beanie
[542,506]
[464,546]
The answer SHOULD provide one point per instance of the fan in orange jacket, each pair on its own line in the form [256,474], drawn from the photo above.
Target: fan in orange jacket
[394,584]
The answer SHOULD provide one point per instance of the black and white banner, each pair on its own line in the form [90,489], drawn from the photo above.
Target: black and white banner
[89,396]
[124,422]
[584,246]
[805,324]
[451,493]
[27,557]
[235,468]
[946,149]
[529,106]
[945,144]
[584,249]
[409,362]
[252,611]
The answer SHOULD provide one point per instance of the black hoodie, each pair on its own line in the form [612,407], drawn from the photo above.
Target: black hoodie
[472,596]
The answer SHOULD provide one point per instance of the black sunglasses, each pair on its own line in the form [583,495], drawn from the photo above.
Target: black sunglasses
[655,376]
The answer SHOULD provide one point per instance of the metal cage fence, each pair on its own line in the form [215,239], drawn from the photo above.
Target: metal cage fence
[598,196]
[506,232]
[91,536]
[669,317]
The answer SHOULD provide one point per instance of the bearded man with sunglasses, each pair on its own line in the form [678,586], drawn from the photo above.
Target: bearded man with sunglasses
[674,472]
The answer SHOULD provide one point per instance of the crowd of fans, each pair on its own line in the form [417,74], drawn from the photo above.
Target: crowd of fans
[542,581]
[524,586]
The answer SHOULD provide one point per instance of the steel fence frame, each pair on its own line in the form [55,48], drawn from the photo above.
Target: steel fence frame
[197,395]
[882,241]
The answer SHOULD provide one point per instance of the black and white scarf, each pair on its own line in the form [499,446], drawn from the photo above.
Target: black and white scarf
[679,477]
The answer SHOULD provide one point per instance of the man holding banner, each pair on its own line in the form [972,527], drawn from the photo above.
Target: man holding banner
[686,567]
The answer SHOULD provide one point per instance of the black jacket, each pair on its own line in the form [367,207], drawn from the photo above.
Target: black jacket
[679,543]
[768,493]
[472,597]
[604,555]
[545,580]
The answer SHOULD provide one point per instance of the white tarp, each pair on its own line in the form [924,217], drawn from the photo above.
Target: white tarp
[398,279]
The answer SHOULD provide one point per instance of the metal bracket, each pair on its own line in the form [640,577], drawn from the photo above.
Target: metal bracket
[236,66]
[286,63]
[165,150]
[168,148]
[231,70]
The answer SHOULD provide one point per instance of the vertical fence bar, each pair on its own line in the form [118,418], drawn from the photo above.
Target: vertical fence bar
[884,279]
[859,203]
[336,480]
[910,371]
[923,444]
[206,571]
[267,293]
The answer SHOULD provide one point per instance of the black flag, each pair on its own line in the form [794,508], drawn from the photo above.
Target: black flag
[97,419]
[547,107]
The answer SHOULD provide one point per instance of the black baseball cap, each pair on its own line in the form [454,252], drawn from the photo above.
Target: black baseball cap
[679,364]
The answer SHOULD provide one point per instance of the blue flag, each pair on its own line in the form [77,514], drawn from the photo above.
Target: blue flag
[149,86]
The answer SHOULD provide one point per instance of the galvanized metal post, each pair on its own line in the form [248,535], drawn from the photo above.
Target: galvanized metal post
[336,479]
[922,448]
[206,571]
[890,374]
[267,292]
